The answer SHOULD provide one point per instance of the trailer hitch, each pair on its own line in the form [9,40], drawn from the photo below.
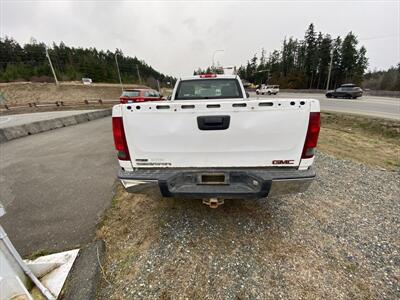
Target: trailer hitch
[213,202]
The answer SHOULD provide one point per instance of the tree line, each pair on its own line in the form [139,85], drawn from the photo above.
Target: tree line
[304,64]
[388,80]
[29,62]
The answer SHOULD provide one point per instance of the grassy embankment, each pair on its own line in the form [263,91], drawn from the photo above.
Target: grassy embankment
[371,141]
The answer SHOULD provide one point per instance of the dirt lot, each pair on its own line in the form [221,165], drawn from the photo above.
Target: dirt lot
[339,240]
[24,92]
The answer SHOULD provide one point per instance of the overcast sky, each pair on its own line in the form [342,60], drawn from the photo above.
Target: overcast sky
[177,37]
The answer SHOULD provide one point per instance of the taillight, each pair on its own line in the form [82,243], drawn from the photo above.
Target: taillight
[310,143]
[119,138]
[123,100]
[208,75]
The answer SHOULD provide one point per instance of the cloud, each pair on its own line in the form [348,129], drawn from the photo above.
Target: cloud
[177,37]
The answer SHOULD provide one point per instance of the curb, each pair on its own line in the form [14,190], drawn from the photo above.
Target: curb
[83,280]
[14,132]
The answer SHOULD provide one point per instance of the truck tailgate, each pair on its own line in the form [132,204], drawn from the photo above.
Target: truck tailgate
[228,133]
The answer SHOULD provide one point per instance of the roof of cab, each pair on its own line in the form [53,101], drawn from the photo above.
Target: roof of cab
[217,76]
[139,89]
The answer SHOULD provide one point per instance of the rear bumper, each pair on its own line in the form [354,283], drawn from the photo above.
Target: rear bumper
[238,183]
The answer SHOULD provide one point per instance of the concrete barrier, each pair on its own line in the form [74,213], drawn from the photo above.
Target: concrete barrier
[14,132]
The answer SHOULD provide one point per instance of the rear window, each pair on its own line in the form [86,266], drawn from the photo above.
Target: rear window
[130,93]
[208,89]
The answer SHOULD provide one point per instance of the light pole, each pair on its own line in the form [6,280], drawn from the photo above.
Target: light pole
[213,57]
[51,66]
[329,72]
[138,74]
[119,75]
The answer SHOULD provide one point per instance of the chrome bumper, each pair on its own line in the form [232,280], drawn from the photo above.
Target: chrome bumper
[244,182]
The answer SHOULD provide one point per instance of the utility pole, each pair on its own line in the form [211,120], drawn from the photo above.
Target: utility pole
[158,84]
[329,72]
[138,74]
[51,66]
[119,75]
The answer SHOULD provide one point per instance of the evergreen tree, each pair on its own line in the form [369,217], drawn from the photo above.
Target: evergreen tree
[305,63]
[349,56]
[30,62]
[311,54]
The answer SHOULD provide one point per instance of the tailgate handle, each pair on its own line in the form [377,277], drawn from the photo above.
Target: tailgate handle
[213,122]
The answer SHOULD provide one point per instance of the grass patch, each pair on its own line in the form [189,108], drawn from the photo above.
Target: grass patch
[378,127]
[40,253]
[371,141]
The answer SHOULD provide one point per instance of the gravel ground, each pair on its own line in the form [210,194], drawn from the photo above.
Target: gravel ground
[339,240]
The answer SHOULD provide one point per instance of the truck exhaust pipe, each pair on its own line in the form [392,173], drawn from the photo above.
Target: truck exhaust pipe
[213,202]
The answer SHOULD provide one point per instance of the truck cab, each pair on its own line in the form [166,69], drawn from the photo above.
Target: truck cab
[211,141]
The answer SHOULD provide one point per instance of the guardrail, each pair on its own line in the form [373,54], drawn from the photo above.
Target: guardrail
[6,107]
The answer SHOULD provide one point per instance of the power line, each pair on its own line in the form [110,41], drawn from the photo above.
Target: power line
[379,37]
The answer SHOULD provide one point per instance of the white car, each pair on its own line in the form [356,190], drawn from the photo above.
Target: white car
[212,142]
[87,81]
[268,89]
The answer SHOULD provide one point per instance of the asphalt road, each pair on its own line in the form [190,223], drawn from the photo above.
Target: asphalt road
[384,107]
[20,119]
[56,185]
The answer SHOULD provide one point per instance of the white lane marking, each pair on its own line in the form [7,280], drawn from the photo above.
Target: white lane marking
[5,119]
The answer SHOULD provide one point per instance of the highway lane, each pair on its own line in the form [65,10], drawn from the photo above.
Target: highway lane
[56,185]
[384,107]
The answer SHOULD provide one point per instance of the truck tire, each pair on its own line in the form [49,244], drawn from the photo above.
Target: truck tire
[269,93]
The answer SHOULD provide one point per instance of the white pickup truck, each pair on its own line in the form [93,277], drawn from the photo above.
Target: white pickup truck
[211,141]
[267,89]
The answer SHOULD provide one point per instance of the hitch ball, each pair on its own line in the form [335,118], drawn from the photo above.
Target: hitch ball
[213,202]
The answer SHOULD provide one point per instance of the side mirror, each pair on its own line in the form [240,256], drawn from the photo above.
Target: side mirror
[169,97]
[247,95]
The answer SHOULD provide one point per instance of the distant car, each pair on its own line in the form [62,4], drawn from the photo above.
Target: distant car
[139,95]
[87,81]
[348,91]
[268,89]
